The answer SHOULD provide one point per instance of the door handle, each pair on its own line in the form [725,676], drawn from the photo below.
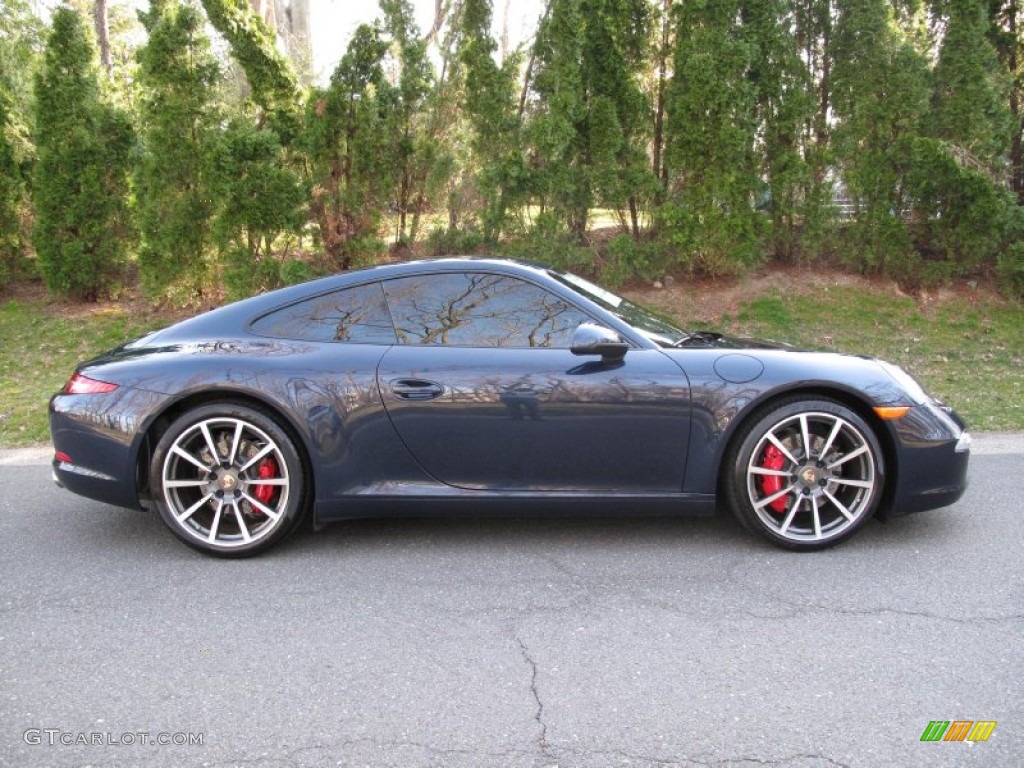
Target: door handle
[416,389]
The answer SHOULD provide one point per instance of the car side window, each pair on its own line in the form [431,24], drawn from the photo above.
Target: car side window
[479,310]
[357,315]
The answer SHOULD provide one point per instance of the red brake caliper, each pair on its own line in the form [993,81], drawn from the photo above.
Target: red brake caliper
[268,469]
[770,485]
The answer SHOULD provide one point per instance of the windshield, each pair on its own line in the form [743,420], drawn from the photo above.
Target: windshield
[645,321]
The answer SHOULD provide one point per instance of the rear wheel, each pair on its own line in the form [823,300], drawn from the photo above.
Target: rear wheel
[806,474]
[228,480]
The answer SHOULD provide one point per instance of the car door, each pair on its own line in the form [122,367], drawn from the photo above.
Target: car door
[483,390]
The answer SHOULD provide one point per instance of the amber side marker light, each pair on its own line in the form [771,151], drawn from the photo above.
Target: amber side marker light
[83,385]
[891,411]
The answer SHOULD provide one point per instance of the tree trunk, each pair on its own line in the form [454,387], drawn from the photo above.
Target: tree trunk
[529,66]
[504,33]
[293,27]
[658,164]
[825,90]
[1017,142]
[265,10]
[99,19]
[440,12]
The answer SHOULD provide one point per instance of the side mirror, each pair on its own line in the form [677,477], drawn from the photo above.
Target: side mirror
[592,339]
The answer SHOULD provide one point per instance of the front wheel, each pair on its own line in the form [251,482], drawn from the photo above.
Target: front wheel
[228,480]
[806,474]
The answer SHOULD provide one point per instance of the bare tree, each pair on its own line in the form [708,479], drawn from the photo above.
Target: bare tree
[504,31]
[441,9]
[292,17]
[265,10]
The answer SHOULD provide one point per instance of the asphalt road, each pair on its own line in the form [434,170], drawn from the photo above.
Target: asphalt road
[486,642]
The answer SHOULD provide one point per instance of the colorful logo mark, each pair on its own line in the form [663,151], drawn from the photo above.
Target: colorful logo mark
[958,730]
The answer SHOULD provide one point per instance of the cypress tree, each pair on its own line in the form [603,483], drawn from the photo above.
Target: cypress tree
[590,130]
[708,219]
[11,193]
[971,94]
[20,35]
[259,200]
[347,141]
[881,97]
[961,215]
[81,178]
[178,74]
[414,85]
[490,106]
[785,106]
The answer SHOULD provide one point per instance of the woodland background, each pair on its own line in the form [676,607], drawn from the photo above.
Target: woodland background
[185,151]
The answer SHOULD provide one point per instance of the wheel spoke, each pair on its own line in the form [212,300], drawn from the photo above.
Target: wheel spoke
[761,471]
[283,481]
[235,442]
[789,518]
[840,506]
[268,448]
[851,481]
[178,451]
[851,455]
[778,444]
[184,483]
[182,517]
[805,435]
[769,499]
[831,439]
[817,517]
[241,523]
[261,507]
[216,521]
[210,443]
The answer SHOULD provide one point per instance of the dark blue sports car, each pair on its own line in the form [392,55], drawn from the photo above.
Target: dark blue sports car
[478,384]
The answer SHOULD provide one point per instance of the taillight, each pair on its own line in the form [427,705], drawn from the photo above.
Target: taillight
[83,385]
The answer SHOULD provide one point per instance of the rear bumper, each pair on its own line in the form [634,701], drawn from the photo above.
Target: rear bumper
[98,450]
[94,485]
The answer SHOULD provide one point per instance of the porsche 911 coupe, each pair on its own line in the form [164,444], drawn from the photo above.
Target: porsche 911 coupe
[484,384]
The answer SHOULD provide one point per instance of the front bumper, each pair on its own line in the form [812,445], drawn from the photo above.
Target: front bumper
[933,452]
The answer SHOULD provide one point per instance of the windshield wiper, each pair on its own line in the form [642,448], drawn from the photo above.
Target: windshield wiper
[693,338]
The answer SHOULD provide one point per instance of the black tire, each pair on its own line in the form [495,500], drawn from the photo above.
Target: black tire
[228,480]
[800,499]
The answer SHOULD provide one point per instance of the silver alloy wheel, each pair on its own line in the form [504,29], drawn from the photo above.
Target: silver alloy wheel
[812,476]
[226,483]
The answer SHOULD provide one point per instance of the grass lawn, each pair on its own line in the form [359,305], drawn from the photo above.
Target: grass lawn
[968,355]
[40,344]
[966,347]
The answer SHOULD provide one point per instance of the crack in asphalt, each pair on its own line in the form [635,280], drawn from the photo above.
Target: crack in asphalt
[542,740]
[293,758]
[804,608]
[711,762]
